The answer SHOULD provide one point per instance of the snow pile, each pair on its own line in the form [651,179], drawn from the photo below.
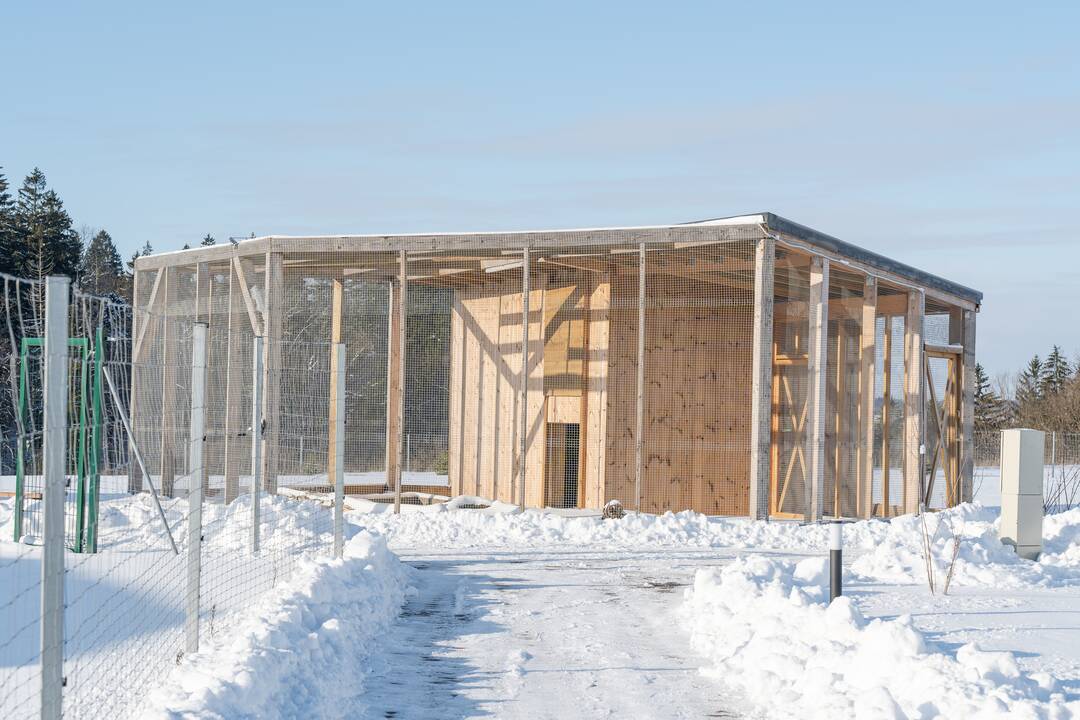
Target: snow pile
[765,628]
[501,524]
[300,650]
[982,560]
[890,551]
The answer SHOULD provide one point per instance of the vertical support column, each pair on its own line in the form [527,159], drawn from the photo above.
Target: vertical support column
[256,437]
[337,400]
[913,402]
[639,419]
[335,440]
[54,451]
[967,407]
[523,389]
[233,379]
[761,379]
[867,376]
[393,381]
[204,301]
[134,472]
[403,315]
[815,368]
[166,461]
[273,305]
[196,437]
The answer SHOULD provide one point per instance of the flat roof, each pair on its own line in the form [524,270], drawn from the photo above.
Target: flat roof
[783,229]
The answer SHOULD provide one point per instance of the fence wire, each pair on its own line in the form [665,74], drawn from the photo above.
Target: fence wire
[126,589]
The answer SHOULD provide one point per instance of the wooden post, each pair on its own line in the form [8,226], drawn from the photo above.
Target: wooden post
[403,316]
[393,382]
[234,377]
[273,297]
[761,379]
[639,419]
[523,438]
[967,406]
[886,420]
[867,373]
[333,440]
[815,368]
[134,472]
[913,402]
[166,462]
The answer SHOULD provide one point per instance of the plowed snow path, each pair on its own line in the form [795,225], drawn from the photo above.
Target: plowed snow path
[544,634]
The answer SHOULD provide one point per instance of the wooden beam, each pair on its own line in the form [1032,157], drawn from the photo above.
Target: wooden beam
[867,375]
[149,317]
[402,329]
[393,381]
[761,390]
[943,350]
[523,390]
[336,310]
[134,471]
[639,419]
[167,466]
[273,317]
[245,292]
[578,263]
[966,332]
[816,381]
[594,429]
[913,402]
[234,378]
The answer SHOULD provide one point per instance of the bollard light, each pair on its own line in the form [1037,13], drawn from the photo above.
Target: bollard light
[836,573]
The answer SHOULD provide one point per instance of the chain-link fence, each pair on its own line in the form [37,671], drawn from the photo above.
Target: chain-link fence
[154,561]
[1061,469]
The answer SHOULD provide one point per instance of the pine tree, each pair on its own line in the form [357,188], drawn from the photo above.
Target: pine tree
[43,231]
[8,248]
[1029,385]
[991,412]
[101,271]
[1055,373]
[208,240]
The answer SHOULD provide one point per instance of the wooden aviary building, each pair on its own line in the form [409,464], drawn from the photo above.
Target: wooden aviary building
[738,366]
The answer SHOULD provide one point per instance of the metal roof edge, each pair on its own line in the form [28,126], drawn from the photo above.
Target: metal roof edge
[840,247]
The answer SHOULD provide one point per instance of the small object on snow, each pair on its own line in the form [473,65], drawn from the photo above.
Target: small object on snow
[836,572]
[613,510]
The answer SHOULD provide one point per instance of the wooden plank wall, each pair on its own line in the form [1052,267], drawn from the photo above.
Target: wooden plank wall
[485,364]
[697,395]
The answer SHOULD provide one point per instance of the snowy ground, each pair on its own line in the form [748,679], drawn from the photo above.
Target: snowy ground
[506,614]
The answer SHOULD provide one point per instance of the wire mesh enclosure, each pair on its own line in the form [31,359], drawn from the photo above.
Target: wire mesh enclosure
[569,369]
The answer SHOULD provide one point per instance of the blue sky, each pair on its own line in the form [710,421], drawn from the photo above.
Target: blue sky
[946,135]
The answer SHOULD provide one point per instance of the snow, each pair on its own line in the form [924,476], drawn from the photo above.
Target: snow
[125,605]
[295,652]
[555,614]
[766,628]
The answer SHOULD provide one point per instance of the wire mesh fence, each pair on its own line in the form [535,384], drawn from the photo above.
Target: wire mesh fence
[153,552]
[1061,469]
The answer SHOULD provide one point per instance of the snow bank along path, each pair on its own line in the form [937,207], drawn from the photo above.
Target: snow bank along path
[768,630]
[300,649]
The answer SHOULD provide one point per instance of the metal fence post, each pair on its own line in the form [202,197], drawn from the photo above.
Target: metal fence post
[339,449]
[195,490]
[55,457]
[256,437]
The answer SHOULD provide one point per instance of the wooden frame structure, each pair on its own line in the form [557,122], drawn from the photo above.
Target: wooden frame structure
[741,365]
